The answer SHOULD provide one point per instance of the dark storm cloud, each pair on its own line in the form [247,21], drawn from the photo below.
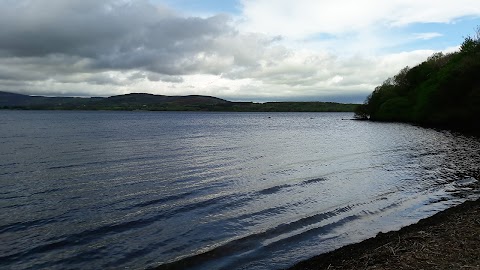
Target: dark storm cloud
[111,34]
[86,28]
[107,47]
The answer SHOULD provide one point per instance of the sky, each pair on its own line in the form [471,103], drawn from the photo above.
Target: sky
[239,50]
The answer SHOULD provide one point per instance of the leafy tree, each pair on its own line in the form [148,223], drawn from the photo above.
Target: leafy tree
[471,44]
[444,90]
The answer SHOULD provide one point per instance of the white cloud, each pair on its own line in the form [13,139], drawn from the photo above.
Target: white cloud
[426,36]
[303,18]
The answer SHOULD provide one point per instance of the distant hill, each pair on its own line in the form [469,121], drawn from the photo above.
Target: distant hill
[142,99]
[19,101]
[443,91]
[149,102]
[11,99]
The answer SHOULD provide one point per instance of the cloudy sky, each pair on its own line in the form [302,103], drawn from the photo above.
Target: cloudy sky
[250,50]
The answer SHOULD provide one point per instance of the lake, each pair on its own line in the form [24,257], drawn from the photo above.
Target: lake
[137,190]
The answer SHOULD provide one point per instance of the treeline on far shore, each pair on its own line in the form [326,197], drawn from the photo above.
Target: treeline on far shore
[149,102]
[233,107]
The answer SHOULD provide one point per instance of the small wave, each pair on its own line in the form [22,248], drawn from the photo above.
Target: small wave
[105,162]
[466,182]
[313,181]
[278,188]
[47,191]
[9,164]
[162,200]
[261,239]
[21,226]
[272,190]
[81,238]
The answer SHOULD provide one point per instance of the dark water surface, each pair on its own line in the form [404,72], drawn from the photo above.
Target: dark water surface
[134,190]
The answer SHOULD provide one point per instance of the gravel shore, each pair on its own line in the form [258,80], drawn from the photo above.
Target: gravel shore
[447,240]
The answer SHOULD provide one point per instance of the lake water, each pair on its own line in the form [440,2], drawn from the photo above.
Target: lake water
[136,190]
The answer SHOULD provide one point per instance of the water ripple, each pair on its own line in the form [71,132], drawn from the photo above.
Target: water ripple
[83,190]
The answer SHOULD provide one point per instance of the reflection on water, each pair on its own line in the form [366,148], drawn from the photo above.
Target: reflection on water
[214,190]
